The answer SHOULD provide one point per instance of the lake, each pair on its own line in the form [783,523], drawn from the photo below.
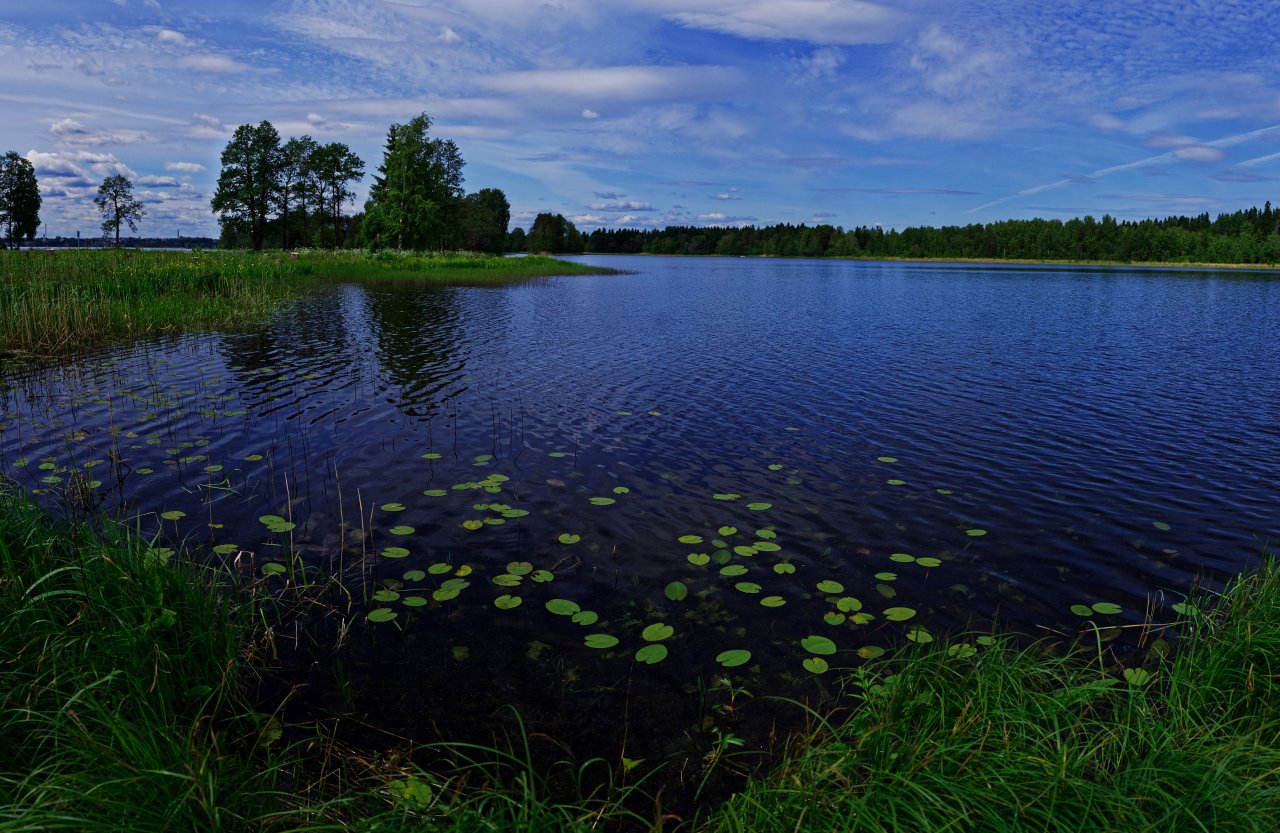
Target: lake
[616,501]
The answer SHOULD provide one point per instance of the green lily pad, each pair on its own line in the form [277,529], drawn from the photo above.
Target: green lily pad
[766,546]
[766,534]
[439,568]
[1162,526]
[887,459]
[557,454]
[173,515]
[657,632]
[676,591]
[431,455]
[507,602]
[918,634]
[775,467]
[733,657]
[621,490]
[726,496]
[395,552]
[690,539]
[519,568]
[929,561]
[385,596]
[1108,608]
[726,531]
[569,538]
[585,618]
[563,607]
[975,533]
[833,618]
[1137,677]
[507,580]
[886,576]
[815,665]
[749,587]
[401,530]
[435,492]
[515,513]
[414,575]
[602,501]
[473,525]
[759,506]
[382,614]
[651,654]
[829,586]
[784,568]
[902,558]
[698,559]
[542,576]
[226,549]
[1185,608]
[961,650]
[413,601]
[445,594]
[896,482]
[733,570]
[600,641]
[871,652]
[818,645]
[271,568]
[1082,610]
[848,604]
[744,551]
[899,614]
[392,507]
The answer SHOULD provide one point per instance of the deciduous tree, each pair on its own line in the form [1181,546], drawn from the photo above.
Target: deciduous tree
[416,194]
[19,198]
[249,184]
[335,167]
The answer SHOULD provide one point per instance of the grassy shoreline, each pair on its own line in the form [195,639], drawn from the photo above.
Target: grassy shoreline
[125,706]
[54,302]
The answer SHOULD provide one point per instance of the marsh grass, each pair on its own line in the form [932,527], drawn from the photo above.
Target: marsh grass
[57,301]
[1035,739]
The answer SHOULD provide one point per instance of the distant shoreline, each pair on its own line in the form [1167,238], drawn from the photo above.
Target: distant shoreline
[1102,264]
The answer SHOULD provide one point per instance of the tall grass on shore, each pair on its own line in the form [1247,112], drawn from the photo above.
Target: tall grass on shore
[63,300]
[976,738]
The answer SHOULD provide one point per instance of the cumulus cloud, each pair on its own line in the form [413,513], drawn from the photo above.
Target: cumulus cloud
[729,195]
[588,113]
[82,165]
[72,132]
[170,37]
[621,206]
[157,182]
[184,167]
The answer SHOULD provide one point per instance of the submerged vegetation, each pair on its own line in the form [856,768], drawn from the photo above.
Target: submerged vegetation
[126,704]
[56,301]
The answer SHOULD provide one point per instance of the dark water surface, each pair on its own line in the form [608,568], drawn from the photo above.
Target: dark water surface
[1115,433]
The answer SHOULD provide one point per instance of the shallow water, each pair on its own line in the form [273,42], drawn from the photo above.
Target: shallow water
[1115,434]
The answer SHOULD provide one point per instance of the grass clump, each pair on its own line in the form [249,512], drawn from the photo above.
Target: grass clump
[976,738]
[52,302]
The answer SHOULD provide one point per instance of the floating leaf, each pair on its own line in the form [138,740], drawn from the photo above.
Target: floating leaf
[464,570]
[271,568]
[435,493]
[848,604]
[749,587]
[690,539]
[945,492]
[439,568]
[1082,610]
[975,533]
[871,652]
[899,614]
[392,507]
[887,459]
[603,501]
[473,525]
[414,575]
[600,640]
[733,657]
[726,531]
[676,591]
[759,506]
[507,580]
[773,601]
[585,617]
[385,596]
[444,595]
[833,618]
[494,521]
[767,546]
[214,469]
[896,482]
[557,454]
[766,534]
[455,584]
[918,634]
[401,530]
[733,570]
[815,665]
[413,601]
[986,641]
[226,549]
[783,568]
[569,538]
[651,654]
[929,561]
[961,650]
[726,496]
[621,490]
[542,576]
[253,458]
[519,568]
[829,586]
[886,576]
[1185,608]
[657,632]
[744,551]
[886,590]
[431,455]
[1137,677]
[1106,608]
[507,602]
[861,618]
[1162,526]
[382,614]
[818,645]
[173,515]
[775,467]
[698,559]
[563,607]
[395,552]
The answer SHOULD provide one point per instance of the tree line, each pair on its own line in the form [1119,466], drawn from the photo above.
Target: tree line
[279,195]
[1248,236]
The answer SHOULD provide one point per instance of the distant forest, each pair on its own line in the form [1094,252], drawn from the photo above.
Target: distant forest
[1249,236]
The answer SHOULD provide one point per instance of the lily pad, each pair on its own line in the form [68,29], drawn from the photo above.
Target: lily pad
[439,568]
[871,652]
[784,568]
[413,601]
[759,506]
[818,645]
[173,515]
[726,531]
[690,539]
[1162,526]
[848,604]
[1185,608]
[829,586]
[621,490]
[657,632]
[676,591]
[569,538]
[600,641]
[929,561]
[766,534]
[401,530]
[271,568]
[392,507]
[1107,608]
[749,587]
[585,618]
[698,559]
[773,601]
[1137,677]
[542,576]
[975,533]
[886,576]
[733,570]
[899,614]
[726,496]
[896,482]
[431,455]
[473,525]
[733,657]
[651,654]
[507,602]
[766,546]
[887,459]
[385,596]
[519,568]
[918,634]
[815,665]
[744,551]
[832,618]
[382,614]
[775,467]
[563,607]
[902,558]
[414,575]
[435,492]
[602,501]
[226,549]
[395,552]
[1082,610]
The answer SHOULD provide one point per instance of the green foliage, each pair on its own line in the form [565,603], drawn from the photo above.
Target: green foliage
[249,183]
[19,198]
[415,198]
[117,205]
[553,234]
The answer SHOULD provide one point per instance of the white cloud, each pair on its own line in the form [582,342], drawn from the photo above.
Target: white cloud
[1106,121]
[822,65]
[621,206]
[78,164]
[588,113]
[72,132]
[211,62]
[816,21]
[184,167]
[170,37]
[1199,153]
[629,83]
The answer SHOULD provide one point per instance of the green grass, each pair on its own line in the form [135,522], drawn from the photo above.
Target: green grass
[123,706]
[1031,739]
[57,301]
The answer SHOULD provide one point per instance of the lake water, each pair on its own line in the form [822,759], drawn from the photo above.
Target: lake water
[859,451]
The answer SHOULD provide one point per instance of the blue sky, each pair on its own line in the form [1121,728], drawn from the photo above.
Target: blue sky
[640,113]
